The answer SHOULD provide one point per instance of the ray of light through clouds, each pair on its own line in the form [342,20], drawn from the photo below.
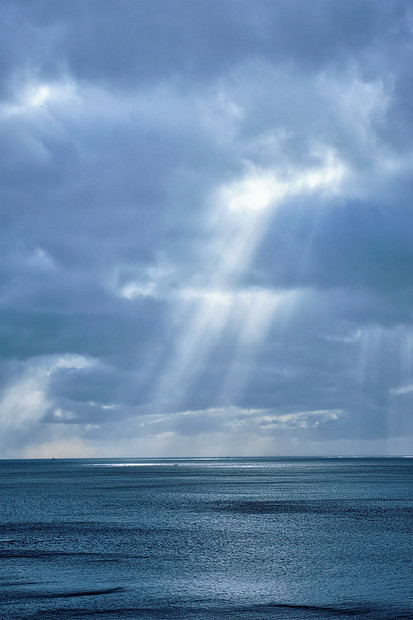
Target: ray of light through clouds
[206,228]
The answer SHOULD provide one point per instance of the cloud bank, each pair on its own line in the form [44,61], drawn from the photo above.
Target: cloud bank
[206,228]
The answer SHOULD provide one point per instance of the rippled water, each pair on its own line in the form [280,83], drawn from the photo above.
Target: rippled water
[206,538]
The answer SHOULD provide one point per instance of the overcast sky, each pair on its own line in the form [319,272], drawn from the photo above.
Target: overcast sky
[206,227]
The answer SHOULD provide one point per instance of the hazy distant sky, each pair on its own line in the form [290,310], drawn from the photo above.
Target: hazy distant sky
[206,227]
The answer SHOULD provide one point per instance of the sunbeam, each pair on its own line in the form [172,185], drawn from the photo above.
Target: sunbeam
[240,214]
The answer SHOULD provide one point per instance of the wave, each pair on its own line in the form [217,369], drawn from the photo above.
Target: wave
[96,592]
[363,610]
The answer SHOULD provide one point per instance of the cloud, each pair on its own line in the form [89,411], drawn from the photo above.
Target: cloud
[25,398]
[205,227]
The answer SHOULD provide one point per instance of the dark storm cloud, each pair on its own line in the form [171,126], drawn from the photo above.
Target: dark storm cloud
[206,226]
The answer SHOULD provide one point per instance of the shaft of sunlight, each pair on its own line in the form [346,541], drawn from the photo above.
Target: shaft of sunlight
[240,214]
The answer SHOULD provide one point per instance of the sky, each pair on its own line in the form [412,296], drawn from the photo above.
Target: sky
[206,228]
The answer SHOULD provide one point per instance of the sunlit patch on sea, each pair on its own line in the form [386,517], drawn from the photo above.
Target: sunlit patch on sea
[206,538]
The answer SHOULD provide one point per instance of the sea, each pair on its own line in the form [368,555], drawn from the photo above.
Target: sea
[211,538]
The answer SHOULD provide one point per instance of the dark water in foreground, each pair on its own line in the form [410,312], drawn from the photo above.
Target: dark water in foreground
[230,538]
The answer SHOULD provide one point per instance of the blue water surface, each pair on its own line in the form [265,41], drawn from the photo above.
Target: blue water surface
[206,538]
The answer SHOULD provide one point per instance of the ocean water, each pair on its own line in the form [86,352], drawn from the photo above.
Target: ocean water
[206,538]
